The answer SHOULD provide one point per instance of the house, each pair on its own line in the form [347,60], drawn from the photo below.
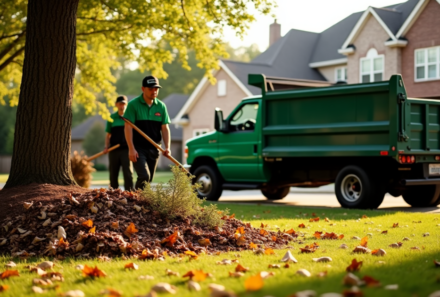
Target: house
[366,46]
[174,103]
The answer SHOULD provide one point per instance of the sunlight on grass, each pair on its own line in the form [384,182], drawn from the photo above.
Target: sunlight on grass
[412,270]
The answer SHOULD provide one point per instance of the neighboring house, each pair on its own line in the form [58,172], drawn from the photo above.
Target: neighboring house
[366,46]
[174,103]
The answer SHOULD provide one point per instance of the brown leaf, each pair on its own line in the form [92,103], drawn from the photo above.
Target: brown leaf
[436,263]
[191,254]
[274,238]
[263,225]
[88,223]
[301,225]
[92,272]
[240,268]
[310,248]
[115,225]
[354,266]
[371,282]
[263,232]
[131,266]
[364,217]
[353,292]
[384,232]
[317,234]
[254,283]
[109,292]
[395,225]
[327,219]
[240,230]
[4,288]
[291,232]
[253,245]
[204,242]
[9,273]
[131,229]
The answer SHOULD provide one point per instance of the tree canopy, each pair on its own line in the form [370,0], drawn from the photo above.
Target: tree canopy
[151,32]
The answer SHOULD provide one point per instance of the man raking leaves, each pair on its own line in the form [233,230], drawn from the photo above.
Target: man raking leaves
[150,115]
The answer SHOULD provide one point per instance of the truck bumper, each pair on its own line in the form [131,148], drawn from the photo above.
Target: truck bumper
[420,182]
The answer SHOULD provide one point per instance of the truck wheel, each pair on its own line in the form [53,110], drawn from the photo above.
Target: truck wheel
[422,196]
[275,193]
[211,183]
[355,189]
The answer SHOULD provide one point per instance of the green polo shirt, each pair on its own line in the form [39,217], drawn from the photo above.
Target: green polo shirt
[148,119]
[116,129]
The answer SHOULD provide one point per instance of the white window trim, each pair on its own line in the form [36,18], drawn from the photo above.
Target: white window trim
[426,64]
[344,71]
[372,72]
[201,131]
[222,88]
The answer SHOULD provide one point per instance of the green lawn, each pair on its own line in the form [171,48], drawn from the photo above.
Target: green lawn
[412,270]
[102,177]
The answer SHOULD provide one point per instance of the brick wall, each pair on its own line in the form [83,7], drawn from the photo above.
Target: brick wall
[373,35]
[201,115]
[425,32]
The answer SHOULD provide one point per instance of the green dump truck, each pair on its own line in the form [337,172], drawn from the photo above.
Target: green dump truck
[368,139]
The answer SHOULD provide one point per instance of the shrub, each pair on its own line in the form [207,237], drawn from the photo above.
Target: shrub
[100,167]
[81,169]
[178,198]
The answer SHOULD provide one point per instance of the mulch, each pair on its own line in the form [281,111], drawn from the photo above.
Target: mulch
[57,221]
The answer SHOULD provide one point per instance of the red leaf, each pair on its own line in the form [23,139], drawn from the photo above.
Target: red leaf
[354,266]
[371,282]
[9,273]
[170,240]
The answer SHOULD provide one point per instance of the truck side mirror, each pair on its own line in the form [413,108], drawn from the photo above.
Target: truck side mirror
[218,122]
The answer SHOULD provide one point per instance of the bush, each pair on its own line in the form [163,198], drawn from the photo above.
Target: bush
[178,198]
[100,167]
[81,169]
[94,140]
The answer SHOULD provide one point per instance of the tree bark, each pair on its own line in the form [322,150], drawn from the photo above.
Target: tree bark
[44,115]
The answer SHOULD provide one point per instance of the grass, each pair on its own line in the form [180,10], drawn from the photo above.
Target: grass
[102,177]
[413,271]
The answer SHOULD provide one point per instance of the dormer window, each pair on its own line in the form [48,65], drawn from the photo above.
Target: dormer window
[372,67]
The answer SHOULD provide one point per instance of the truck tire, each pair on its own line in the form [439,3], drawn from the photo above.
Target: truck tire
[275,193]
[354,188]
[422,196]
[211,183]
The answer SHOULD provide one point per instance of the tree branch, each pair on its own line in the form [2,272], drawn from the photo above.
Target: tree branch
[184,13]
[210,10]
[11,58]
[96,20]
[9,36]
[104,31]
[11,46]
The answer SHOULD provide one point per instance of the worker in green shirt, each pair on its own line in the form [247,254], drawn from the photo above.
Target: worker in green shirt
[150,115]
[118,157]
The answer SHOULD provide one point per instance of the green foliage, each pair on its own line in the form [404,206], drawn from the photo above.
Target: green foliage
[7,128]
[178,198]
[100,167]
[94,140]
[152,33]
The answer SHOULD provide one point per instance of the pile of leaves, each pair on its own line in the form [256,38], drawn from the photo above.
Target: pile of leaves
[119,223]
[81,169]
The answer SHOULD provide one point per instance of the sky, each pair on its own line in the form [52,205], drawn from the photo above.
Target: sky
[307,15]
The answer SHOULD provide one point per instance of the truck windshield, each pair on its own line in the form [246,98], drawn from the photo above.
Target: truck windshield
[245,118]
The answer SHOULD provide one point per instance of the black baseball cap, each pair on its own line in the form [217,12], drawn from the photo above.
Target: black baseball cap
[151,82]
[122,98]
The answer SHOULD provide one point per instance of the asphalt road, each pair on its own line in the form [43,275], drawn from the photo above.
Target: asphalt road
[321,197]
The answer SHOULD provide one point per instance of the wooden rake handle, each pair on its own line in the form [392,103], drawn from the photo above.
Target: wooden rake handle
[154,143]
[102,153]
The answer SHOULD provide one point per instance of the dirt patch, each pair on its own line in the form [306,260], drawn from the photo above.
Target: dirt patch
[115,223]
[10,198]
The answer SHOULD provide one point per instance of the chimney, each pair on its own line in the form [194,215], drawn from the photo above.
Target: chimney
[274,32]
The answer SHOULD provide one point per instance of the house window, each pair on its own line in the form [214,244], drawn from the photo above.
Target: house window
[221,88]
[372,67]
[198,132]
[341,74]
[427,63]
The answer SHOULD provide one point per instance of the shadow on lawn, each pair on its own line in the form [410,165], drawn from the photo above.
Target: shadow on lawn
[415,274]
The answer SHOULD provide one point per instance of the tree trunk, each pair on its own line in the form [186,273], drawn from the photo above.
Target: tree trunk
[44,115]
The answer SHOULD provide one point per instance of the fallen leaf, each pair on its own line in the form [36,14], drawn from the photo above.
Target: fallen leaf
[354,266]
[353,292]
[109,292]
[131,229]
[384,232]
[254,283]
[378,252]
[351,280]
[196,275]
[37,270]
[37,290]
[191,254]
[361,249]
[291,232]
[88,223]
[327,220]
[92,230]
[364,241]
[10,264]
[236,274]
[240,230]
[73,293]
[145,277]
[395,225]
[265,274]
[204,242]
[436,263]
[288,257]
[9,273]
[314,220]
[164,288]
[310,248]
[396,245]
[4,288]
[115,225]
[224,262]
[317,234]
[132,265]
[269,251]
[263,232]
[304,272]
[322,274]
[170,272]
[193,286]
[240,268]
[45,265]
[322,259]
[371,282]
[364,217]
[170,240]
[253,245]
[92,272]
[274,266]
[301,225]
[274,238]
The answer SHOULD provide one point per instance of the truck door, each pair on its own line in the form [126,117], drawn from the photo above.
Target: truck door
[239,158]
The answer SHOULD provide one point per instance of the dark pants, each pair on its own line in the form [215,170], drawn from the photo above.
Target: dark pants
[146,165]
[118,158]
